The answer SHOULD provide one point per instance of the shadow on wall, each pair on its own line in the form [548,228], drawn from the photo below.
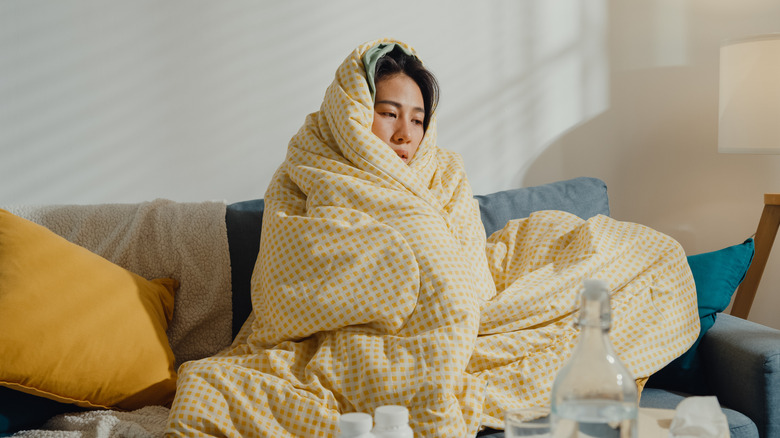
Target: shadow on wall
[548,72]
[642,39]
[130,101]
[656,145]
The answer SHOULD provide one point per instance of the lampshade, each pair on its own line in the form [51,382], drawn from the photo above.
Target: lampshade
[749,107]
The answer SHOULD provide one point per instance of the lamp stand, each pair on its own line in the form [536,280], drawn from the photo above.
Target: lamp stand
[765,238]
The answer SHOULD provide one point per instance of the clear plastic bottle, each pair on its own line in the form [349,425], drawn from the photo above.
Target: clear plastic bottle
[594,394]
[355,425]
[392,421]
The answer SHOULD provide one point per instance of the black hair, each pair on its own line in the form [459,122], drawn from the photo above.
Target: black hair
[397,61]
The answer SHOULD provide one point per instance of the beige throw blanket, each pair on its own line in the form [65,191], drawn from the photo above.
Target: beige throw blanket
[147,422]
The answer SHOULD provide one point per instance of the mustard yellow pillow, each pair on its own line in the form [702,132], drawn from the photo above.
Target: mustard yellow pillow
[77,328]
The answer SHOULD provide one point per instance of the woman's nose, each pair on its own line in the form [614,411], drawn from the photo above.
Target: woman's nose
[402,133]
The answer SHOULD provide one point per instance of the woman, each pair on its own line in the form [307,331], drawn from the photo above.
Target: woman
[405,96]
[375,283]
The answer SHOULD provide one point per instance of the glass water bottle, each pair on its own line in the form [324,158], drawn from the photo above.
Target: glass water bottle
[594,394]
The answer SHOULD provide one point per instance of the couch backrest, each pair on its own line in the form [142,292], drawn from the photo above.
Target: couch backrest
[586,197]
[583,196]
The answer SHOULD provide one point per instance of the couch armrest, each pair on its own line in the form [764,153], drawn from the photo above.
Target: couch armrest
[742,366]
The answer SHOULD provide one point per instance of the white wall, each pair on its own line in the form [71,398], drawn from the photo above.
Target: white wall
[124,101]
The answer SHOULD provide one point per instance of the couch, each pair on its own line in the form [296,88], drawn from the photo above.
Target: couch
[736,360]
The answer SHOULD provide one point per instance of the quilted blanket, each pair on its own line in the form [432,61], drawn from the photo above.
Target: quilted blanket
[375,284]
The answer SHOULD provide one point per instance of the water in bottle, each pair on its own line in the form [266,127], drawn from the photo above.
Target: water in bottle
[594,394]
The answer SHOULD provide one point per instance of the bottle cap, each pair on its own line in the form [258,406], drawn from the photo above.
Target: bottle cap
[594,286]
[391,415]
[355,423]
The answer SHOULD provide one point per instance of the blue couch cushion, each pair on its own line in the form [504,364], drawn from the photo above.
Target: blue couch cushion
[586,197]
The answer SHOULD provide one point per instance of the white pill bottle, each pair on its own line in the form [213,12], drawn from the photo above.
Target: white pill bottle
[355,425]
[392,421]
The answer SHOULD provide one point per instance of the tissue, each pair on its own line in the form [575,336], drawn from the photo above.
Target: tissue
[699,417]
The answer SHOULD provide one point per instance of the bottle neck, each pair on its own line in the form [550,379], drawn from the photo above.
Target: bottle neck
[595,312]
[594,323]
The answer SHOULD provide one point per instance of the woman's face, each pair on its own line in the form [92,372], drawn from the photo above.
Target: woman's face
[399,112]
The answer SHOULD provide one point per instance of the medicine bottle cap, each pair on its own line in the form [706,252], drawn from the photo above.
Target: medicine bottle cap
[391,415]
[354,423]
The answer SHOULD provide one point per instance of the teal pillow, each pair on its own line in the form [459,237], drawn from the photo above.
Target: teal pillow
[717,275]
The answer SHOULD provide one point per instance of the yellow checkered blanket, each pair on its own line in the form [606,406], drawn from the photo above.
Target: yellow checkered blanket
[375,285]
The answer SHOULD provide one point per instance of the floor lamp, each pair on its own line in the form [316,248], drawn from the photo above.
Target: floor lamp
[749,123]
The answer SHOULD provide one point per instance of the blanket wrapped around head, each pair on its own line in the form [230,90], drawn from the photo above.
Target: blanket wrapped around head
[375,285]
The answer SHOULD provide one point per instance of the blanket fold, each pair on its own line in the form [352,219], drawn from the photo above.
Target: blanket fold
[375,285]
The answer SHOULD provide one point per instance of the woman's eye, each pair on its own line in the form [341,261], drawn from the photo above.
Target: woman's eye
[417,122]
[386,114]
